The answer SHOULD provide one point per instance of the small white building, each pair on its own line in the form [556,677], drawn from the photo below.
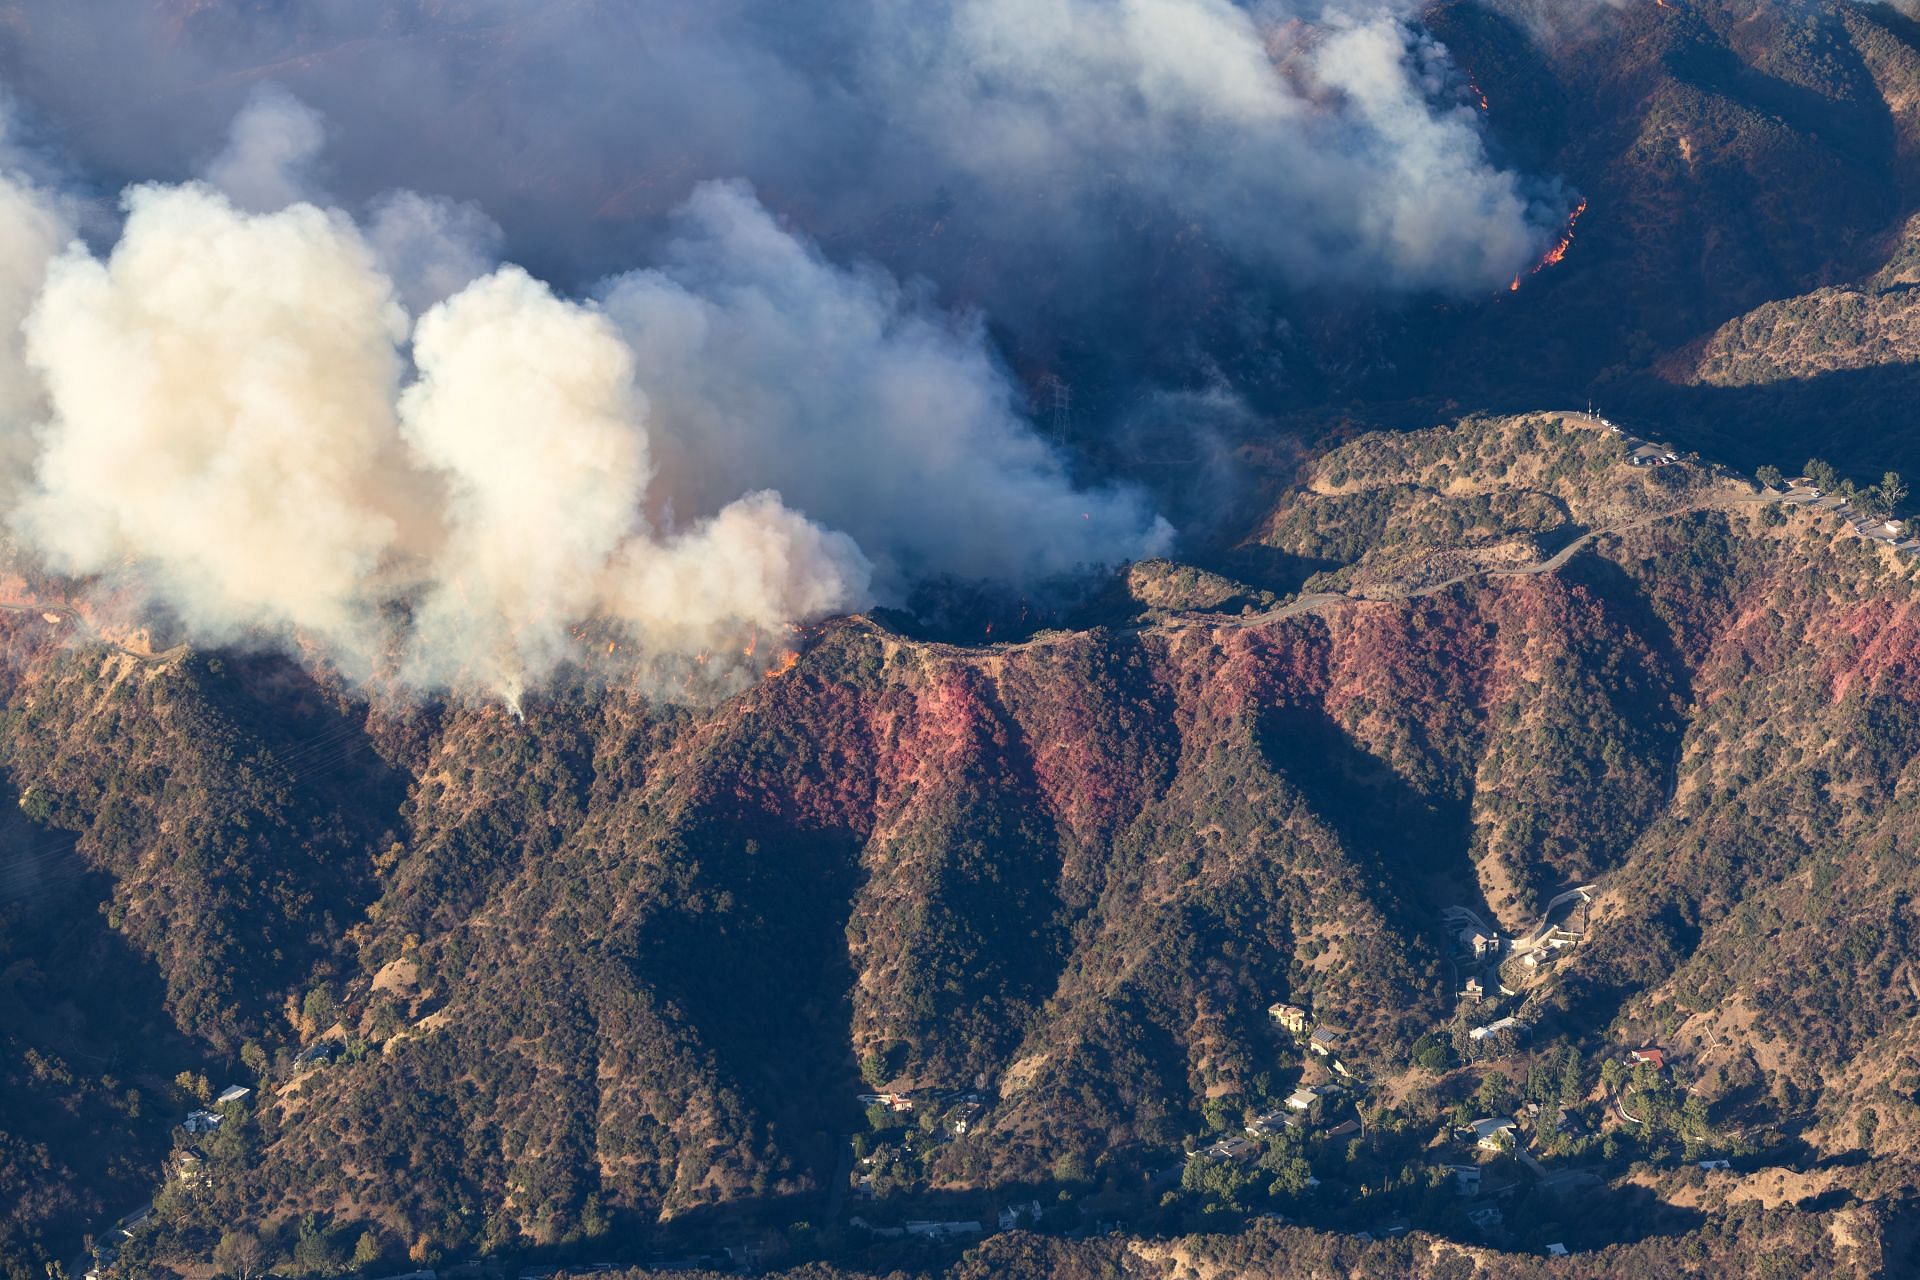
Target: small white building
[1480,942]
[202,1121]
[1493,1132]
[232,1093]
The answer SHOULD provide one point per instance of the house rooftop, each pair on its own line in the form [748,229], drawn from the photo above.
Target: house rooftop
[1270,1122]
[1486,1132]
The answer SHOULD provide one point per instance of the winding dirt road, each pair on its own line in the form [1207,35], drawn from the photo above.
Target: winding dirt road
[83,628]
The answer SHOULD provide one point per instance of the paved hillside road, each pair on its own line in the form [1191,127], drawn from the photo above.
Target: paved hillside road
[1314,602]
[1318,600]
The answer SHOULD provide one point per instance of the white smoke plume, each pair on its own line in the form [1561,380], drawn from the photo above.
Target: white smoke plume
[1035,152]
[855,399]
[271,154]
[243,420]
[527,405]
[1318,143]
[35,224]
[222,395]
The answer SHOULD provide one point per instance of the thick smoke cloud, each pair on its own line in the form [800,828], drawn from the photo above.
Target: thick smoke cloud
[526,405]
[763,386]
[221,390]
[1029,154]
[1309,144]
[35,224]
[234,411]
[856,399]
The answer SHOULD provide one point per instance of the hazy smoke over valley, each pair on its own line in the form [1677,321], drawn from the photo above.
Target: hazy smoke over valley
[291,384]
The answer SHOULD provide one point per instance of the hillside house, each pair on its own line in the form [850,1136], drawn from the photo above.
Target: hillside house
[1495,1028]
[1492,1133]
[133,1222]
[1269,1123]
[1324,1041]
[1235,1148]
[1480,942]
[1556,1251]
[188,1167]
[1302,1099]
[232,1093]
[1290,1017]
[1466,1178]
[319,1052]
[1345,1129]
[1474,990]
[1653,1055]
[899,1103]
[963,1118]
[202,1121]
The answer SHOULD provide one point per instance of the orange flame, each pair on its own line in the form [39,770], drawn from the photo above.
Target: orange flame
[788,661]
[1559,250]
[753,642]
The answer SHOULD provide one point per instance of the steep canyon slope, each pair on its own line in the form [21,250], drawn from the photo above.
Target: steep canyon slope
[621,967]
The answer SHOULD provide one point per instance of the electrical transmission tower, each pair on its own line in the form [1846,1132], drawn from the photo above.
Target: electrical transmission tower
[1062,409]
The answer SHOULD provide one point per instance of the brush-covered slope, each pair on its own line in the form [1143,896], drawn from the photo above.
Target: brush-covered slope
[617,970]
[1847,1243]
[1730,152]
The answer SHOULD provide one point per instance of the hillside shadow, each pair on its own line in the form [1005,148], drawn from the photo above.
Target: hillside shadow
[1861,420]
[1418,842]
[80,1005]
[756,956]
